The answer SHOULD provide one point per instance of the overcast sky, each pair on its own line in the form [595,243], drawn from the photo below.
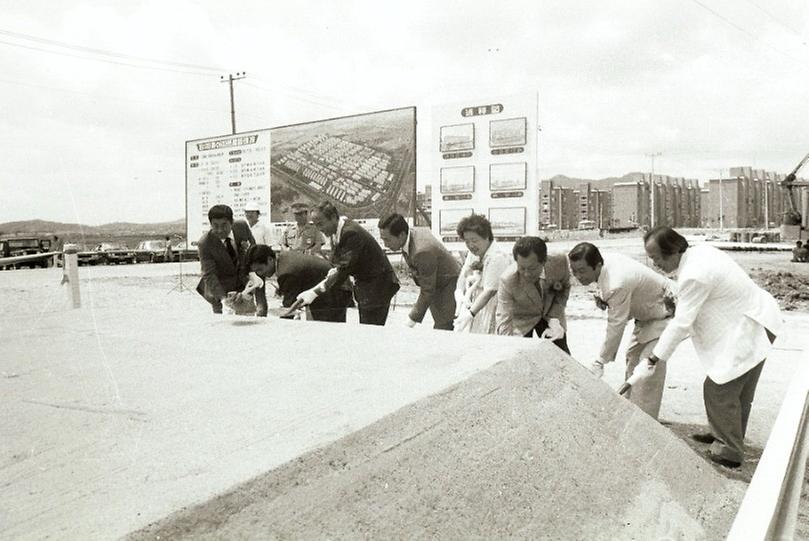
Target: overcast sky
[89,137]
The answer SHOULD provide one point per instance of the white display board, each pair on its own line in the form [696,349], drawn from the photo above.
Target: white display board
[483,157]
[229,170]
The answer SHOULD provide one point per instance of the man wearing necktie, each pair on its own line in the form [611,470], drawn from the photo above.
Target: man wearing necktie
[431,265]
[533,294]
[357,254]
[221,256]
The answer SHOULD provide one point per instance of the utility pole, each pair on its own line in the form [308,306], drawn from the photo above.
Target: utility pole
[766,203]
[721,204]
[229,80]
[652,155]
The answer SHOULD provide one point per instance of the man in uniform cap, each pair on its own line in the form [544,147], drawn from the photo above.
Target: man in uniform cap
[261,232]
[302,236]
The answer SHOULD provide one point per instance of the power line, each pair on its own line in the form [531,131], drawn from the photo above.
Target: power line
[748,33]
[106,52]
[108,61]
[115,98]
[777,20]
[296,97]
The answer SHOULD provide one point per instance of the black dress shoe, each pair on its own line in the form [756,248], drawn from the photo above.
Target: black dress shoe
[724,461]
[704,438]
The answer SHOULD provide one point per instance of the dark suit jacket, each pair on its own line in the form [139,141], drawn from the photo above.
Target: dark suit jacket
[358,254]
[433,268]
[520,305]
[219,273]
[296,272]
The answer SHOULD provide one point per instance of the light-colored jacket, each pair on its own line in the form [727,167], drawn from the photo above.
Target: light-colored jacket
[632,291]
[520,305]
[262,234]
[725,312]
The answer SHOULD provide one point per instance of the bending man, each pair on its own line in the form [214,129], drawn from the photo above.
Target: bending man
[355,253]
[297,272]
[630,290]
[433,268]
[732,323]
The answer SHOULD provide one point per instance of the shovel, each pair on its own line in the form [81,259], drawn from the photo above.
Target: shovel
[297,304]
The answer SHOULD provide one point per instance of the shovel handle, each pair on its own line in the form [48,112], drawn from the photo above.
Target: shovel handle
[297,304]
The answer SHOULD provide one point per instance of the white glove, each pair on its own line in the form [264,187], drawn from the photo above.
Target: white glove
[307,297]
[460,302]
[597,368]
[644,370]
[254,282]
[463,321]
[555,331]
[410,323]
[227,304]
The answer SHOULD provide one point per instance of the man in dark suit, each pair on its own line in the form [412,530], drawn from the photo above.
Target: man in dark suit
[297,272]
[433,268]
[533,293]
[221,255]
[355,253]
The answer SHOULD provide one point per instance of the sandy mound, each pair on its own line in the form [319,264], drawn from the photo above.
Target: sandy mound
[532,449]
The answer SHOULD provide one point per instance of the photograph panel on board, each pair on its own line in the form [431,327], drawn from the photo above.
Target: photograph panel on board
[510,132]
[450,218]
[364,164]
[457,137]
[508,176]
[507,222]
[458,179]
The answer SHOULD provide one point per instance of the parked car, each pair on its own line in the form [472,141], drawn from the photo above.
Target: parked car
[152,251]
[91,257]
[16,246]
[115,253]
[183,253]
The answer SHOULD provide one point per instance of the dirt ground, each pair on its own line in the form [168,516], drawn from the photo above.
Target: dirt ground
[28,294]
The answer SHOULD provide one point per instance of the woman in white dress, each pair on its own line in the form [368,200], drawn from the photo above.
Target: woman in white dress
[476,297]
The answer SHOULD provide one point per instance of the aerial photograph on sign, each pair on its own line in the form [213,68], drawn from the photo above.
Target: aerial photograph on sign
[364,164]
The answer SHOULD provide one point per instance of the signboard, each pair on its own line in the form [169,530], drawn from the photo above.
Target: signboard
[485,159]
[230,170]
[364,164]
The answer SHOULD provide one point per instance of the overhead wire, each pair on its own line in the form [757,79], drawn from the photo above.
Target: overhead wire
[749,33]
[116,98]
[106,52]
[777,20]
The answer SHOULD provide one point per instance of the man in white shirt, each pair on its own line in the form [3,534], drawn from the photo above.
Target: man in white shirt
[732,323]
[261,232]
[630,290]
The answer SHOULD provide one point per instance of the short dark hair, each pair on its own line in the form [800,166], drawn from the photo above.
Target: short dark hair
[327,209]
[667,239]
[525,246]
[799,244]
[217,212]
[395,223]
[259,253]
[476,223]
[587,251]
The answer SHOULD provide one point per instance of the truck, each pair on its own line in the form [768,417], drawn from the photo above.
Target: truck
[17,246]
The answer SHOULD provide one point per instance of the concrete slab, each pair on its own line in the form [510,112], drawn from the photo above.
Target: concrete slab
[531,448]
[117,416]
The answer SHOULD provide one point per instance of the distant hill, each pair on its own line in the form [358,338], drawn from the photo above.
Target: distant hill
[125,232]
